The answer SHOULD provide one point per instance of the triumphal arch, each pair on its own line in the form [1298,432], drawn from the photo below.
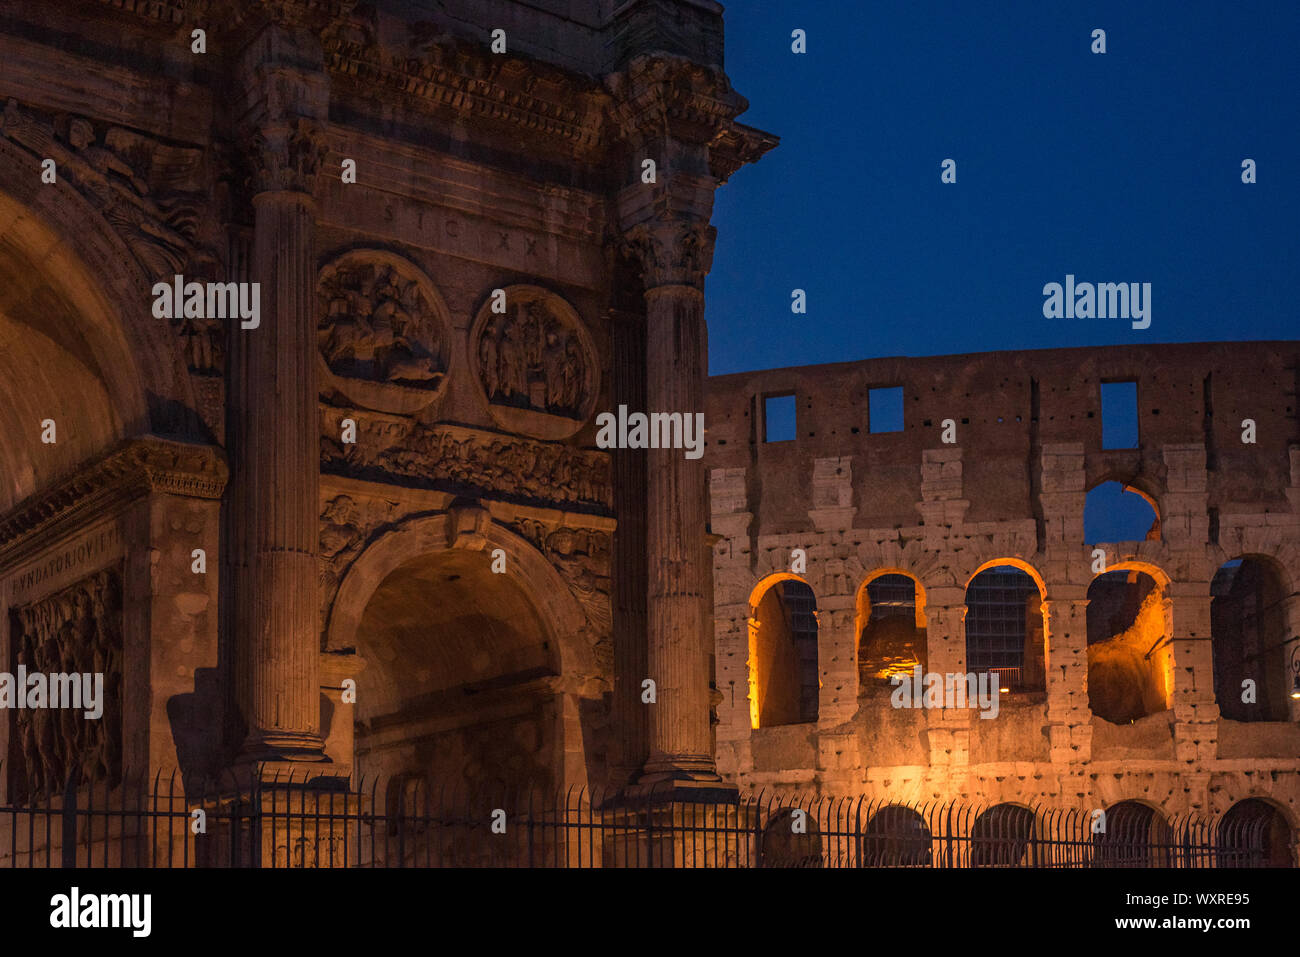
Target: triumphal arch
[307,308]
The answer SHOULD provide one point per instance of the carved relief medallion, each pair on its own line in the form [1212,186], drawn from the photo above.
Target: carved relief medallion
[383,332]
[535,363]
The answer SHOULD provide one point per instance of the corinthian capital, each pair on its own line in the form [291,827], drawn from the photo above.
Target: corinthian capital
[286,156]
[672,252]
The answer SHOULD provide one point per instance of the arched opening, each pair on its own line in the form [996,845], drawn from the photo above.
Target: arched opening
[790,839]
[1135,836]
[459,681]
[65,359]
[1254,833]
[1001,836]
[1004,627]
[782,653]
[1130,651]
[891,628]
[1115,512]
[896,836]
[1252,650]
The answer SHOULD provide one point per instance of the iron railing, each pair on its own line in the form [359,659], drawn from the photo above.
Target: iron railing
[299,821]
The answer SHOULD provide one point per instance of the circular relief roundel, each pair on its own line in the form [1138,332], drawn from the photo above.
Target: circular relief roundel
[382,332]
[535,363]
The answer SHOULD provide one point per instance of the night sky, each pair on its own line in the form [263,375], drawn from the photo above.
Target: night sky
[1122,167]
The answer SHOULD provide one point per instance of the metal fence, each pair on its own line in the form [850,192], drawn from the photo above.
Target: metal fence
[296,821]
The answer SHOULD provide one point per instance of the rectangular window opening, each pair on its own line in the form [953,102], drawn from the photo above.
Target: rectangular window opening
[1119,415]
[779,418]
[885,409]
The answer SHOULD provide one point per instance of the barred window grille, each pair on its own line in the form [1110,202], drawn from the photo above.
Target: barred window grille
[995,619]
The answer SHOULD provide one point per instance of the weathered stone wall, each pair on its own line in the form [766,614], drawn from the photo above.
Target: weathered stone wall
[1011,490]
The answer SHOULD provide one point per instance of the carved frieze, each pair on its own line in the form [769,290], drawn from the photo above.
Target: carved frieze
[75,631]
[346,524]
[535,363]
[151,193]
[382,333]
[582,557]
[391,448]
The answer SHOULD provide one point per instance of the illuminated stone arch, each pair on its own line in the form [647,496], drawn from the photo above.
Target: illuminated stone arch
[782,665]
[1006,624]
[78,340]
[469,673]
[895,642]
[1130,642]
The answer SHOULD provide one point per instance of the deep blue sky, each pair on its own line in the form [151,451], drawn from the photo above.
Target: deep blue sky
[1117,167]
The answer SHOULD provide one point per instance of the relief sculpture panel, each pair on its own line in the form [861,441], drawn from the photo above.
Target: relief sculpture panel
[75,631]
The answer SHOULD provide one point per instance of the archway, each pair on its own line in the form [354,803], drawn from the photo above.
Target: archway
[471,678]
[896,836]
[1130,648]
[784,685]
[791,838]
[1135,835]
[457,678]
[1115,512]
[85,367]
[1005,625]
[1250,640]
[1000,837]
[1254,833]
[78,342]
[891,627]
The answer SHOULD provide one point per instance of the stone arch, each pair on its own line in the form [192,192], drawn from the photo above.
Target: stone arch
[1256,832]
[897,836]
[1130,642]
[78,340]
[783,634]
[892,643]
[1101,494]
[1137,834]
[1252,637]
[780,845]
[473,676]
[1006,623]
[1001,835]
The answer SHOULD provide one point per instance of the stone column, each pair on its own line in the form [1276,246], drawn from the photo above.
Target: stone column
[675,255]
[275,404]
[676,118]
[947,730]
[1069,716]
[1191,666]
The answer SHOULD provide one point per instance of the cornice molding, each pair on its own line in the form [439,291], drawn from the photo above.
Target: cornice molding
[136,467]
[663,95]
